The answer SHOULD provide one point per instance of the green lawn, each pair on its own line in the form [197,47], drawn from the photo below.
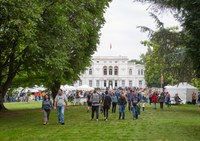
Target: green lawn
[23,122]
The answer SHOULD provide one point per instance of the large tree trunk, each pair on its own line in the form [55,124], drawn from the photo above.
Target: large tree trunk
[54,89]
[2,107]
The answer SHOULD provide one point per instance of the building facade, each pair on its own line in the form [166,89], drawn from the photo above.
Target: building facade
[113,71]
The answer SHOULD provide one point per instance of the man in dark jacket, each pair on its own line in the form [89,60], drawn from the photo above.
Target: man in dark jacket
[106,105]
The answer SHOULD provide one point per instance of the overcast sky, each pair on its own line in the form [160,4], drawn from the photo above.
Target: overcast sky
[120,29]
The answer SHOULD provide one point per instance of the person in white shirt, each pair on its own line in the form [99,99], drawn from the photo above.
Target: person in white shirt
[59,104]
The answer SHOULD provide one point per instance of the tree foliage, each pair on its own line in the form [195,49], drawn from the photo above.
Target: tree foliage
[188,13]
[47,41]
[167,55]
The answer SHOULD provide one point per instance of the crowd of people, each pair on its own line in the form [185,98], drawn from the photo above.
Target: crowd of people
[102,101]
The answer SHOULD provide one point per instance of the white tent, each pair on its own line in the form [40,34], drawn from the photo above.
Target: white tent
[41,88]
[85,87]
[69,88]
[184,91]
[27,89]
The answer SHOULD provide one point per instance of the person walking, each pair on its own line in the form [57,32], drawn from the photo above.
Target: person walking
[59,104]
[167,99]
[89,102]
[46,107]
[154,100]
[135,101]
[114,102]
[95,99]
[129,96]
[106,105]
[161,99]
[122,104]
[143,105]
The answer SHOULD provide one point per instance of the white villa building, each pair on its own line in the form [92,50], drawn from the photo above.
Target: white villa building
[112,71]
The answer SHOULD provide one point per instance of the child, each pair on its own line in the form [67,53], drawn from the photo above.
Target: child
[143,105]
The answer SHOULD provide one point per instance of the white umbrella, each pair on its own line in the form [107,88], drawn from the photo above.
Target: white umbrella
[85,87]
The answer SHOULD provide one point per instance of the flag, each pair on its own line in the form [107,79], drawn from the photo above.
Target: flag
[110,46]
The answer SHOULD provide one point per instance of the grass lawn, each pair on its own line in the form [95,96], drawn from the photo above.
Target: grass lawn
[23,122]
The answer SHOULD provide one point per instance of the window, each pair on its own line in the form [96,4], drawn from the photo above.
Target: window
[138,71]
[115,83]
[123,83]
[140,83]
[130,83]
[90,71]
[130,71]
[80,82]
[104,84]
[97,83]
[116,70]
[115,61]
[110,61]
[90,83]
[110,70]
[97,61]
[104,70]
[142,72]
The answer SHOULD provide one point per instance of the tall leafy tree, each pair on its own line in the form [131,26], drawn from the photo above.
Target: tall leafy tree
[47,41]
[167,55]
[18,28]
[188,13]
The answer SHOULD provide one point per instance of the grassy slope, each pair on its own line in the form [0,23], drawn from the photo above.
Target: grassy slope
[179,123]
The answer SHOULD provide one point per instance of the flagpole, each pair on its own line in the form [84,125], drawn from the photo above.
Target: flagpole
[162,80]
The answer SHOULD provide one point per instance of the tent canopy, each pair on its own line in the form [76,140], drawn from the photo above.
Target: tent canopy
[85,87]
[67,87]
[184,91]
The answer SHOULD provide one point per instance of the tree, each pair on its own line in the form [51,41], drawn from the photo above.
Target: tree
[18,27]
[47,41]
[166,56]
[188,13]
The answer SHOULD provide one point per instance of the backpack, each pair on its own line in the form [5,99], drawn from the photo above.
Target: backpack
[95,98]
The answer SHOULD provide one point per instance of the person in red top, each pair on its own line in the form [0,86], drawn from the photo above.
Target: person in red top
[154,100]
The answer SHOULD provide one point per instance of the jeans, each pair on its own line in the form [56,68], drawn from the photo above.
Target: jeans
[154,105]
[60,110]
[95,109]
[135,113]
[121,111]
[114,104]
